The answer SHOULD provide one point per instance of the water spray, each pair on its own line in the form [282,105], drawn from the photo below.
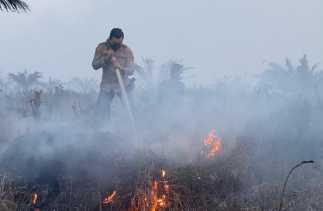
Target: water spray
[125,99]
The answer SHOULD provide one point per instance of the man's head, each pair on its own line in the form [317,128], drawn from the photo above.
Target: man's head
[116,38]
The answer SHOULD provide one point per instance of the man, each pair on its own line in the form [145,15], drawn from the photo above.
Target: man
[113,55]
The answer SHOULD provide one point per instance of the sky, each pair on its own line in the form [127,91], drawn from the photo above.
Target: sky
[217,37]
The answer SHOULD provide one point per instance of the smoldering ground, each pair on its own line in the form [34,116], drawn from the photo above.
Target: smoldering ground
[267,125]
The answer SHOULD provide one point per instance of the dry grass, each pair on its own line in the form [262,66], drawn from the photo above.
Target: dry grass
[218,184]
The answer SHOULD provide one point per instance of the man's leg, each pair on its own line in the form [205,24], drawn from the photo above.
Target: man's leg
[103,110]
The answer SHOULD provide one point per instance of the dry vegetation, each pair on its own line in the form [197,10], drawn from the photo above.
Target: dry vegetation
[55,156]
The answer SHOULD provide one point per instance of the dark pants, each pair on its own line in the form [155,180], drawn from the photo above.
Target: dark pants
[104,101]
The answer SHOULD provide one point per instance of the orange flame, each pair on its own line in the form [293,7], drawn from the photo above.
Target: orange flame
[159,192]
[156,198]
[163,173]
[110,198]
[34,198]
[213,143]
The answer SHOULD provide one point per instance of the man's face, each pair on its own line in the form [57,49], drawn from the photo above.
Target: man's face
[116,41]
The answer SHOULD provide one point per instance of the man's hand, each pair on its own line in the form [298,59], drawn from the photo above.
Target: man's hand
[116,64]
[107,55]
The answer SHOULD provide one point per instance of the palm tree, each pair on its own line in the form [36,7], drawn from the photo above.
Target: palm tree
[13,5]
[25,80]
[174,70]
[52,85]
[146,71]
[290,79]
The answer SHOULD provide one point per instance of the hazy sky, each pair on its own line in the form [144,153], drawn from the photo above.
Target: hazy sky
[217,37]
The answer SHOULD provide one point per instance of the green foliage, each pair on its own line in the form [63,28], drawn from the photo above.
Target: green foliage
[13,5]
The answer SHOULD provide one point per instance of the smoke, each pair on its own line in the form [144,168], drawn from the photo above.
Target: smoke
[266,125]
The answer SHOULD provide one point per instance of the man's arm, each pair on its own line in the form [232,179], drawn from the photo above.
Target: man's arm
[101,57]
[130,63]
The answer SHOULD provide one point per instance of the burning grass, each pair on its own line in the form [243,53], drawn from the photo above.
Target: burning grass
[143,181]
[219,178]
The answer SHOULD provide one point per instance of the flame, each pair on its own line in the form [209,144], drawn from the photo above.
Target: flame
[159,193]
[34,198]
[213,143]
[163,173]
[156,197]
[110,198]
[166,187]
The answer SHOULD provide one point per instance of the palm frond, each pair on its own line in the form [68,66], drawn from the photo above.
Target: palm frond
[13,5]
[25,79]
[33,77]
[19,78]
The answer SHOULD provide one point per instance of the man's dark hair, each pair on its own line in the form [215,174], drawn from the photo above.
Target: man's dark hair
[117,33]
